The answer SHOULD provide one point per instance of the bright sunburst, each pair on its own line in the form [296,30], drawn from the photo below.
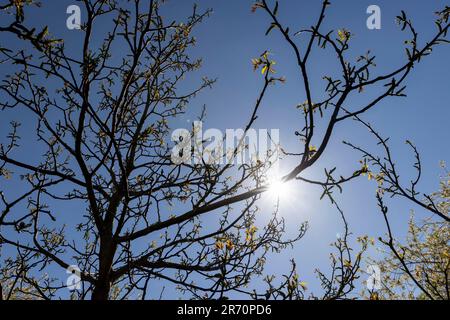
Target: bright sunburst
[278,189]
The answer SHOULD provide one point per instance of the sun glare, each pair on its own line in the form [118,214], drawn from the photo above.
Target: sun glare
[278,189]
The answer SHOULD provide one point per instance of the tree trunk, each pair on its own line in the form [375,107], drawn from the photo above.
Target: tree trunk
[101,291]
[106,256]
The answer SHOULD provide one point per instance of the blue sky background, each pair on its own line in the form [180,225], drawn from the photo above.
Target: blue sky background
[232,36]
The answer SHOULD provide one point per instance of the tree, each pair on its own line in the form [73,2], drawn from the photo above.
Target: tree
[418,269]
[103,124]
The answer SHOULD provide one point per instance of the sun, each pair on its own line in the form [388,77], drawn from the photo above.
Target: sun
[278,189]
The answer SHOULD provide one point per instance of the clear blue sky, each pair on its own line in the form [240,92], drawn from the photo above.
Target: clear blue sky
[233,35]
